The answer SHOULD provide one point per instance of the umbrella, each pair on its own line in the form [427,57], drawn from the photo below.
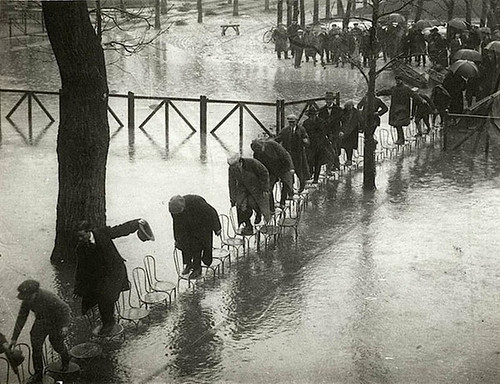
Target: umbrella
[394,18]
[422,24]
[457,24]
[468,54]
[494,46]
[464,68]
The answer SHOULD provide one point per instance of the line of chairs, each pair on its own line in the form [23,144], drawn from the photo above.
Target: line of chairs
[148,289]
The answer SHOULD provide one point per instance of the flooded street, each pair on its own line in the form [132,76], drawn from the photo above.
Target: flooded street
[397,286]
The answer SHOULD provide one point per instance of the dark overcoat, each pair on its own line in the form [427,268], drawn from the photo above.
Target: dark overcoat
[295,142]
[195,225]
[101,273]
[379,109]
[276,159]
[399,112]
[318,141]
[351,124]
[455,85]
[247,185]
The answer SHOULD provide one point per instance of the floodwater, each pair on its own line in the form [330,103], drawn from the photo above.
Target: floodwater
[396,286]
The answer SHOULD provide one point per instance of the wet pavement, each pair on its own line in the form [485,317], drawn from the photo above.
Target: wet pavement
[397,286]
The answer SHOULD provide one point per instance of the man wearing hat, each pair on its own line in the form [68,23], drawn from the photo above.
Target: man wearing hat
[248,190]
[399,111]
[52,316]
[101,273]
[317,153]
[194,221]
[299,43]
[279,164]
[331,116]
[294,139]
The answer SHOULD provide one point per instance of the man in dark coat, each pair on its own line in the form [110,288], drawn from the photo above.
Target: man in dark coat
[455,85]
[418,46]
[399,112]
[331,115]
[299,43]
[195,221]
[279,164]
[441,100]
[317,152]
[280,41]
[379,109]
[351,125]
[52,316]
[294,139]
[438,50]
[422,112]
[248,190]
[101,273]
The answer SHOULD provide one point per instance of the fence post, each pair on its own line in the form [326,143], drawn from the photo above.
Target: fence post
[203,127]
[337,96]
[241,126]
[278,115]
[167,102]
[282,120]
[30,117]
[131,118]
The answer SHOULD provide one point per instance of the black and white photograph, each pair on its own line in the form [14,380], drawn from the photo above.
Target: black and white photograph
[249,191]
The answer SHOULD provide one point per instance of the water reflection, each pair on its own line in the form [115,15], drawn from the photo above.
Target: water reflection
[195,344]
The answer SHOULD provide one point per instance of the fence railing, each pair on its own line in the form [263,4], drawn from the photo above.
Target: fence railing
[168,106]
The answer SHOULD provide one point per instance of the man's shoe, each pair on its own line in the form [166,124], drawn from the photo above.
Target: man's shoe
[195,274]
[187,269]
[348,163]
[258,218]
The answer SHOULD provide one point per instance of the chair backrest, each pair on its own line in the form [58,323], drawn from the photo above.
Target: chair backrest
[25,369]
[178,261]
[150,267]
[4,371]
[48,353]
[140,280]
[233,218]
[125,301]
[385,138]
[226,226]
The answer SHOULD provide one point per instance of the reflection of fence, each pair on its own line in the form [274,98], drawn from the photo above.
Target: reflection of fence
[168,106]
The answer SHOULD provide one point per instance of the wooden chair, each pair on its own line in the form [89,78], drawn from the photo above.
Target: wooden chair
[53,366]
[156,284]
[221,254]
[145,292]
[177,254]
[25,370]
[271,229]
[234,223]
[291,215]
[386,143]
[128,311]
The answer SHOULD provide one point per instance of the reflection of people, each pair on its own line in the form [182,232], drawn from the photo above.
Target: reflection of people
[279,164]
[101,273]
[194,221]
[248,190]
[399,111]
[294,139]
[52,317]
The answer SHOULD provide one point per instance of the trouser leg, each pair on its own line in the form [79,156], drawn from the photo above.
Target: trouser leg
[401,134]
[244,216]
[427,122]
[57,340]
[38,334]
[107,312]
[349,152]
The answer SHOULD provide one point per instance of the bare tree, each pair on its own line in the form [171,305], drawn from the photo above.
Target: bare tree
[468,11]
[450,7]
[83,135]
[419,9]
[316,12]
[484,13]
[340,8]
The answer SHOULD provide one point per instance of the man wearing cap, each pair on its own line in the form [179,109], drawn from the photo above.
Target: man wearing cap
[52,316]
[331,116]
[399,111]
[279,164]
[194,221]
[294,139]
[101,273]
[248,190]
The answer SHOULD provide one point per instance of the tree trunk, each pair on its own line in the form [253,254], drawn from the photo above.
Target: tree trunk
[493,14]
[484,13]
[98,19]
[418,11]
[468,11]
[199,7]
[316,12]
[235,8]
[302,13]
[328,11]
[340,8]
[279,12]
[450,6]
[347,15]
[369,166]
[83,135]
[157,15]
[289,9]
[266,5]
[295,15]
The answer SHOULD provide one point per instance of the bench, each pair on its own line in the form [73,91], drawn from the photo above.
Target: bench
[224,27]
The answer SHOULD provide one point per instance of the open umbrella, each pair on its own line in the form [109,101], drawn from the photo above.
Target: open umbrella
[394,18]
[422,24]
[458,24]
[464,68]
[468,54]
[494,46]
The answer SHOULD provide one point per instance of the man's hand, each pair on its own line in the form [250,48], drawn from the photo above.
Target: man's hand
[218,232]
[13,342]
[64,331]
